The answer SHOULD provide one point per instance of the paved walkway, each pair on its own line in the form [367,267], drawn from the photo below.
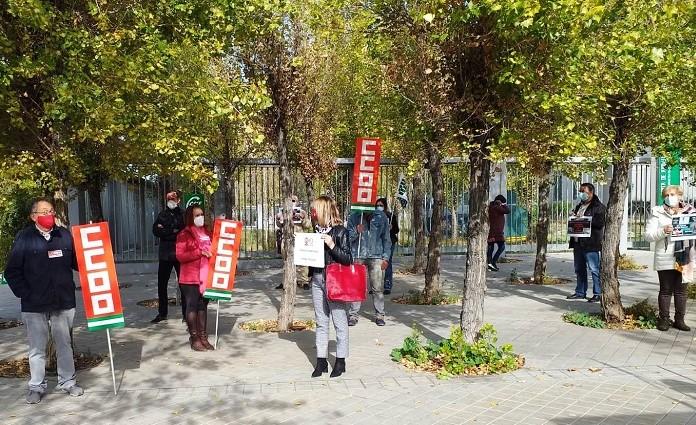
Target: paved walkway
[573,375]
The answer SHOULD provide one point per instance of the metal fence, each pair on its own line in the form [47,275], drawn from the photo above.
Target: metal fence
[131,207]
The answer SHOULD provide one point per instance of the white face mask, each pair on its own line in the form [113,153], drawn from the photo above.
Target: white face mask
[171,204]
[199,221]
[380,208]
[672,201]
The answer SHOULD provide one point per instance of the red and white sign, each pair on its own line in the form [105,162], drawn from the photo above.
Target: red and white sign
[365,173]
[95,261]
[227,237]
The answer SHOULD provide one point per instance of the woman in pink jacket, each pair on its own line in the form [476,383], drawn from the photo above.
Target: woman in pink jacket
[193,251]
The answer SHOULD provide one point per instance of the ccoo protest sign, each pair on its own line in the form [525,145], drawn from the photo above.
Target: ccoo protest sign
[227,237]
[365,173]
[95,260]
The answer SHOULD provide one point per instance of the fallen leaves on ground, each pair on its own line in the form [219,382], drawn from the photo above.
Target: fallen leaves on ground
[154,302]
[19,368]
[9,323]
[548,281]
[272,325]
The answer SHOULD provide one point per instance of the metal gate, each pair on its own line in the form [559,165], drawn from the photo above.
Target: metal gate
[131,207]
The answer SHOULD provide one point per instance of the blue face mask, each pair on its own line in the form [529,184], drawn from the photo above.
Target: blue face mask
[583,196]
[380,208]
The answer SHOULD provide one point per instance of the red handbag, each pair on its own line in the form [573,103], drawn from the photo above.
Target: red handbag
[346,283]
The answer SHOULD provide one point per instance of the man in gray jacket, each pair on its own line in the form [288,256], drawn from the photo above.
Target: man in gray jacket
[371,245]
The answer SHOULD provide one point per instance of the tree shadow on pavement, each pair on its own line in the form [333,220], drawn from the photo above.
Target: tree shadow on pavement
[681,417]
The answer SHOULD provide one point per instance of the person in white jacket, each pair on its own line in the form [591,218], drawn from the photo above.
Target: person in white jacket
[674,260]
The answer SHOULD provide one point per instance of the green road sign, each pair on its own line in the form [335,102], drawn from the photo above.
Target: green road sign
[666,176]
[194,199]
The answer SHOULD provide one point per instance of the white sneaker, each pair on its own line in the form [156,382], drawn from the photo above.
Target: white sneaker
[74,391]
[34,397]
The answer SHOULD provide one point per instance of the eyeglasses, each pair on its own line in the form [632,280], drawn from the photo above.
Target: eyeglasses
[44,212]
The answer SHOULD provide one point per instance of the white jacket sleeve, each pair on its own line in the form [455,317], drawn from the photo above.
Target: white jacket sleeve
[653,231]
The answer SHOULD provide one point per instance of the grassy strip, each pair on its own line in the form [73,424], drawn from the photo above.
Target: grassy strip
[641,315]
[417,298]
[268,326]
[454,356]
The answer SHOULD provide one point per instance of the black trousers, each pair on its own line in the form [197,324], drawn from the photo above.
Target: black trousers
[671,283]
[163,273]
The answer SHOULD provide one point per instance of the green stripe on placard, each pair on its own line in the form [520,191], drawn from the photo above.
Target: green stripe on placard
[106,322]
[100,318]
[361,207]
[102,327]
[217,295]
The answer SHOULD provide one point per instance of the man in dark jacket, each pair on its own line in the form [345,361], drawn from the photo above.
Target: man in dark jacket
[39,272]
[394,236]
[370,245]
[586,249]
[496,232]
[166,227]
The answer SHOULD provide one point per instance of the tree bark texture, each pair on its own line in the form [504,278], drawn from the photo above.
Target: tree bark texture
[471,318]
[228,183]
[96,213]
[432,270]
[418,222]
[542,232]
[612,308]
[60,197]
[309,185]
[287,304]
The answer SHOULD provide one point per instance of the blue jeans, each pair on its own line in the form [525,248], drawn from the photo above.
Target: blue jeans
[493,258]
[583,259]
[389,272]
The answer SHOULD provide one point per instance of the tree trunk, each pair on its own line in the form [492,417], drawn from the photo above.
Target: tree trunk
[228,190]
[60,198]
[432,271]
[612,308]
[471,318]
[96,213]
[287,304]
[455,221]
[418,223]
[228,187]
[542,228]
[309,185]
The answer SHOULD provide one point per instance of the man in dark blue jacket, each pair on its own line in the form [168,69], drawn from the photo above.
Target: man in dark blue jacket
[39,272]
[166,227]
[371,245]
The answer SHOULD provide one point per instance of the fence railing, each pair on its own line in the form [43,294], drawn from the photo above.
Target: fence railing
[131,207]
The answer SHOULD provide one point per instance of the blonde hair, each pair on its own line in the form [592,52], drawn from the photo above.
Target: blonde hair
[668,189]
[327,211]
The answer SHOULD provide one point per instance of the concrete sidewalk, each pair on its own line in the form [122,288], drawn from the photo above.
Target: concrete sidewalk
[640,377]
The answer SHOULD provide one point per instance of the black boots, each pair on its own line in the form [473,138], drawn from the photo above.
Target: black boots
[339,367]
[679,324]
[321,367]
[663,324]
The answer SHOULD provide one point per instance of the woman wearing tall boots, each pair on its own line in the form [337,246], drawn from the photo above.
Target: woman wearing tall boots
[193,252]
[327,221]
[674,260]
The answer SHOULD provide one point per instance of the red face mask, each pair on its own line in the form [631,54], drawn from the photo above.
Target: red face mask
[313,214]
[46,221]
